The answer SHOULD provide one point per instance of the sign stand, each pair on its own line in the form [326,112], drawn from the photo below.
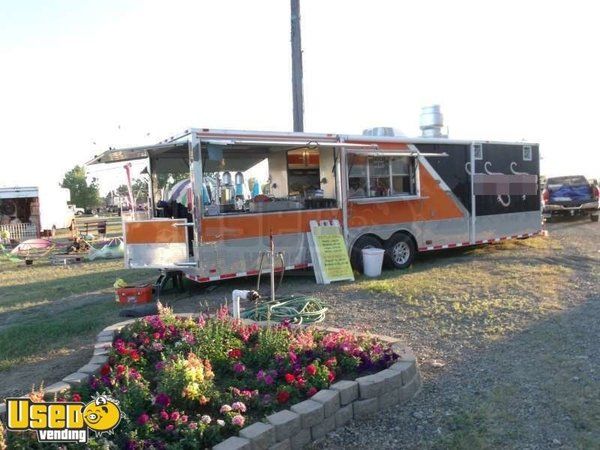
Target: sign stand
[328,252]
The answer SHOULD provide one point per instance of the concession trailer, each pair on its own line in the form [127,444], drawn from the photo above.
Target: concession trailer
[217,197]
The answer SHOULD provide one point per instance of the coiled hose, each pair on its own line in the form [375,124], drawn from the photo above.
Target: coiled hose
[299,309]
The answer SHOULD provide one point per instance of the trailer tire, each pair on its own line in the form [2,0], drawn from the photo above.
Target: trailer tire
[399,251]
[356,258]
[594,218]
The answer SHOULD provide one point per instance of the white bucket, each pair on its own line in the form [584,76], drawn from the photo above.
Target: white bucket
[372,261]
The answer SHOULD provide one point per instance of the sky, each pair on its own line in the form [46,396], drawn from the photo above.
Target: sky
[78,76]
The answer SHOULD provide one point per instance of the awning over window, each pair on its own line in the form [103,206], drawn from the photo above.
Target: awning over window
[133,153]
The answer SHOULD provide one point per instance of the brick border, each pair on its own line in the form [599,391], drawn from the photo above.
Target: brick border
[303,422]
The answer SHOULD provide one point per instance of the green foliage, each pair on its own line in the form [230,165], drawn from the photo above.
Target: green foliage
[83,194]
[269,343]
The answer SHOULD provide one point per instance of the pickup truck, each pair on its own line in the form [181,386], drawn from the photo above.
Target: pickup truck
[570,196]
[77,211]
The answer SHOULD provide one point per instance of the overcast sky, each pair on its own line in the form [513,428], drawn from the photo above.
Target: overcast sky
[78,76]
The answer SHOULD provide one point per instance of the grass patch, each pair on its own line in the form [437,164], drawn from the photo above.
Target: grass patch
[25,341]
[486,296]
[34,321]
[22,287]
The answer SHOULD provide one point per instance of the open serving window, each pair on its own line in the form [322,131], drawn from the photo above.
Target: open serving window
[248,177]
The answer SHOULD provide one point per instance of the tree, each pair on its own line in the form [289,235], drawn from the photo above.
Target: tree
[83,194]
[139,188]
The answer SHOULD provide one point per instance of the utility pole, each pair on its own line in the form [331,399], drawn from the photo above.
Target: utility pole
[297,89]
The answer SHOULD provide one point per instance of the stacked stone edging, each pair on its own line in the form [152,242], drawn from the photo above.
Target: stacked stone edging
[303,422]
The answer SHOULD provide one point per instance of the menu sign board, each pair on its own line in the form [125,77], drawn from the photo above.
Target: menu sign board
[329,253]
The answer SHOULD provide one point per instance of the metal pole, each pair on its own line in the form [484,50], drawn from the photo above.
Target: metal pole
[297,89]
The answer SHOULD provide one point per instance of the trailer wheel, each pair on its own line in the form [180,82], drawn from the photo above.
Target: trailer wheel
[399,251]
[594,218]
[356,258]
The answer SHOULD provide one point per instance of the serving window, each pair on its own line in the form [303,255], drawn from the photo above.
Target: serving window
[381,176]
[246,179]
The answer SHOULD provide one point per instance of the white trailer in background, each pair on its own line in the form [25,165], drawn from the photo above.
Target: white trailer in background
[27,212]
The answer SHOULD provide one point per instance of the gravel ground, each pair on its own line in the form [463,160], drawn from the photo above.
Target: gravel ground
[533,384]
[506,337]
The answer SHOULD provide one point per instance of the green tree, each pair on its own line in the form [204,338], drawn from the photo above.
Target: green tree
[83,194]
[139,188]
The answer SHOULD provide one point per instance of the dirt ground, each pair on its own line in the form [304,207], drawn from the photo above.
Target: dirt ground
[506,337]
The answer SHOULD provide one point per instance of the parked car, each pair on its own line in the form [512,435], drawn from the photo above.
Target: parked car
[570,196]
[77,211]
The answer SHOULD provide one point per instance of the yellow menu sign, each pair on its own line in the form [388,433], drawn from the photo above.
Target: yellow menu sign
[329,253]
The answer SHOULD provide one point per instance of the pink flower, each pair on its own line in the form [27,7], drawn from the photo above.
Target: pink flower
[76,398]
[184,418]
[170,427]
[238,420]
[312,391]
[157,347]
[225,409]
[193,426]
[238,367]
[239,407]
[174,415]
[164,415]
[143,419]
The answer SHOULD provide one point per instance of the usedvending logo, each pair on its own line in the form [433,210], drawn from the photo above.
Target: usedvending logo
[63,421]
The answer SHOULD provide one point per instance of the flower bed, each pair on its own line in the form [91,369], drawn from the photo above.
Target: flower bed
[186,382]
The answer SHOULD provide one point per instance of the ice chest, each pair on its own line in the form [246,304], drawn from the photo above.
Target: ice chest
[135,294]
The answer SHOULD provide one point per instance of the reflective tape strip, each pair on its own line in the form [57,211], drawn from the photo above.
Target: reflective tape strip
[483,241]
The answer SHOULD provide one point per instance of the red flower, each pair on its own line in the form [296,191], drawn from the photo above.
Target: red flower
[76,397]
[156,336]
[301,381]
[133,354]
[235,353]
[331,376]
[312,391]
[121,369]
[283,397]
[311,369]
[289,378]
[105,370]
[331,362]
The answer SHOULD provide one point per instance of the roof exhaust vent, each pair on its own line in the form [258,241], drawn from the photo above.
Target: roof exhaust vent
[431,122]
[383,131]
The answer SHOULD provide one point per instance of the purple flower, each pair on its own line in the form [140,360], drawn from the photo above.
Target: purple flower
[159,366]
[238,367]
[269,380]
[162,399]
[293,357]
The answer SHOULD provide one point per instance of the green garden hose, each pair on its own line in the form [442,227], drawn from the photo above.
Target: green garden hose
[300,309]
